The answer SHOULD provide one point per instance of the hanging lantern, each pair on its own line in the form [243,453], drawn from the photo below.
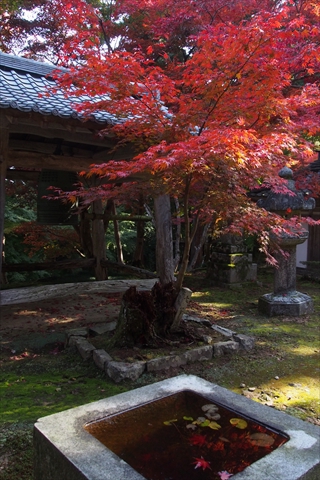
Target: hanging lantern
[55,212]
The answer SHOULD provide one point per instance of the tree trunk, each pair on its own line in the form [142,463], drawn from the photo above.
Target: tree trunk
[107,212]
[138,253]
[164,244]
[177,236]
[84,232]
[188,235]
[145,317]
[99,244]
[197,247]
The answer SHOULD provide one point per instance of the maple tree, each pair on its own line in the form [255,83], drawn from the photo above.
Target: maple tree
[215,98]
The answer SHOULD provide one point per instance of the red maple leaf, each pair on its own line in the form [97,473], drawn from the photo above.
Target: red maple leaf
[201,463]
[198,440]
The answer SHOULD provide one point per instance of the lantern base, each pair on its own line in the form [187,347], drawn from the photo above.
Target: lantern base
[292,304]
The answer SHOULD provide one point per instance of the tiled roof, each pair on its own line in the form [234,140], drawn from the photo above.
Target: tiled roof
[22,81]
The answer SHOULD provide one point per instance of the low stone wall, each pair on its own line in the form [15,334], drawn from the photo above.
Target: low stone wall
[119,371]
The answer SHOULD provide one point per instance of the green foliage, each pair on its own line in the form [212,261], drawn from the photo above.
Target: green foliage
[128,234]
[16,212]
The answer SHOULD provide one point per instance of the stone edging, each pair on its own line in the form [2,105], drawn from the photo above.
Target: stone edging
[119,371]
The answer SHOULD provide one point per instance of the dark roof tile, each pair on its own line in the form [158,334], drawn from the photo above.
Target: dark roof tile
[24,85]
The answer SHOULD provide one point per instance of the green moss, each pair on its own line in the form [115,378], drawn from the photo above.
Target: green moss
[46,384]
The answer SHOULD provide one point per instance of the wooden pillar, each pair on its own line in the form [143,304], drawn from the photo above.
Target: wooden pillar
[4,147]
[99,242]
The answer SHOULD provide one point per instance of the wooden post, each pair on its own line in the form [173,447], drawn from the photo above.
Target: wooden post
[4,147]
[99,242]
[117,235]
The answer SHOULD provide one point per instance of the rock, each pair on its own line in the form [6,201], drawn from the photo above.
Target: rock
[163,363]
[251,389]
[119,371]
[224,331]
[85,348]
[224,348]
[191,318]
[75,333]
[198,354]
[102,328]
[245,342]
[73,340]
[100,358]
[242,385]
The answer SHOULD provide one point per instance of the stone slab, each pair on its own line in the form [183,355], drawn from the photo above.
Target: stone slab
[85,348]
[245,341]
[74,340]
[65,450]
[119,371]
[162,363]
[225,348]
[77,332]
[192,318]
[101,358]
[224,331]
[199,354]
[102,328]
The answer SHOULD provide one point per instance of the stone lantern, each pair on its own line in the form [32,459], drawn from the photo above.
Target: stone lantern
[285,300]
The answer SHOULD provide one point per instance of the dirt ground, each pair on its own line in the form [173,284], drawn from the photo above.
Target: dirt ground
[33,324]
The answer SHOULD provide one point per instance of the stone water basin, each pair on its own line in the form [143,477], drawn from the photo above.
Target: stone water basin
[117,438]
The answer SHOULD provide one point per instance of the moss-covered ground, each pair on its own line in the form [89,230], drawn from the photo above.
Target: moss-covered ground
[282,371]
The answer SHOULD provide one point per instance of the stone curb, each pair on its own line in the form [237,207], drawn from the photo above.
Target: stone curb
[119,371]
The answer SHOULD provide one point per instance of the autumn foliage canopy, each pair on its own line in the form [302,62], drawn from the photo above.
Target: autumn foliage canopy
[215,97]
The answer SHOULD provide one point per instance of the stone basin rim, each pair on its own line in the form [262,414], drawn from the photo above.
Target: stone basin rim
[292,461]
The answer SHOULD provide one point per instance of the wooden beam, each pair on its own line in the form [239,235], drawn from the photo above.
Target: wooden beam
[71,264]
[62,265]
[4,141]
[129,269]
[120,217]
[25,159]
[24,175]
[32,122]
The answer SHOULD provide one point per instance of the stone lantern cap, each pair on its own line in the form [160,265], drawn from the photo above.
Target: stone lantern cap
[293,202]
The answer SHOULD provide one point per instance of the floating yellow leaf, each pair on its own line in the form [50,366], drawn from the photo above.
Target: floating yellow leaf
[261,440]
[188,418]
[169,422]
[239,423]
[214,425]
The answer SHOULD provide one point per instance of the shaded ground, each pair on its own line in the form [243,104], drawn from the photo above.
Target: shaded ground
[282,371]
[35,324]
[35,316]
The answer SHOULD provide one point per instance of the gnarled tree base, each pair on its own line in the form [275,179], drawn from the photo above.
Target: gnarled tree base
[145,317]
